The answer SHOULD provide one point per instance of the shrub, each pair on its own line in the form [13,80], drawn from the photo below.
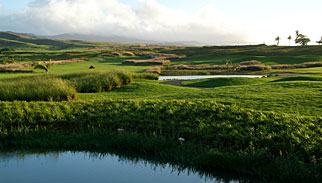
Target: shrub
[254,67]
[91,82]
[36,89]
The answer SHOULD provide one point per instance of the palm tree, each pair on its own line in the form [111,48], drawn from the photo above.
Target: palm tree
[289,40]
[301,39]
[42,65]
[320,41]
[278,40]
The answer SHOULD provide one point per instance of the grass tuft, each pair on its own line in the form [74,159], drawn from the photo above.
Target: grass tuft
[36,89]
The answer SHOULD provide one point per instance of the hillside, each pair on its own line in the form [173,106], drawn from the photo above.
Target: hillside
[29,41]
[120,39]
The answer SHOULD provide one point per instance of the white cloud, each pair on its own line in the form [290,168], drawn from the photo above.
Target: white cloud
[149,20]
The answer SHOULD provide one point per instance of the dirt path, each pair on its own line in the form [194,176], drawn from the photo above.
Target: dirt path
[178,83]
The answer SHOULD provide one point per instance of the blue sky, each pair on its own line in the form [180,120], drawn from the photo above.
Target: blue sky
[256,21]
[16,5]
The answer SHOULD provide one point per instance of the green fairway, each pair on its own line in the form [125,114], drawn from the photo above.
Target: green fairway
[100,64]
[266,54]
[218,82]
[297,97]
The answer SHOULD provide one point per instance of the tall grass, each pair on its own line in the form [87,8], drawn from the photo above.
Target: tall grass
[149,76]
[271,145]
[36,89]
[61,87]
[92,82]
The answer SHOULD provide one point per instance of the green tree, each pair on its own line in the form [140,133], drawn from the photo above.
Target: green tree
[278,40]
[42,65]
[301,39]
[289,40]
[320,41]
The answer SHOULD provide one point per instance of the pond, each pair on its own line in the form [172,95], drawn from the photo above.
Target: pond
[206,77]
[68,167]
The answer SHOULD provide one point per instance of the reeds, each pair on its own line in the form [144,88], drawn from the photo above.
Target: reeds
[36,89]
[61,87]
[92,82]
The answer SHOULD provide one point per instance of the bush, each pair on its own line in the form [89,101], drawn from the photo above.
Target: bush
[254,67]
[7,49]
[36,89]
[91,82]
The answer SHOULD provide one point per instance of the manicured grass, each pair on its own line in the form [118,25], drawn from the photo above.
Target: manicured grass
[218,82]
[100,64]
[140,89]
[314,70]
[301,78]
[297,97]
[266,54]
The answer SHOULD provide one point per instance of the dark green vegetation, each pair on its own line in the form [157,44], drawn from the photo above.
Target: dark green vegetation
[271,145]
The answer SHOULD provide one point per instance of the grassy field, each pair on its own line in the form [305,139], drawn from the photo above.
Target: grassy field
[266,54]
[225,122]
[218,82]
[297,97]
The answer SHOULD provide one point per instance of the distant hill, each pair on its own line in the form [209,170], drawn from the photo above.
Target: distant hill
[30,41]
[69,41]
[119,39]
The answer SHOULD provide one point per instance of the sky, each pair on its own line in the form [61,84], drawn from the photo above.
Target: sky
[208,21]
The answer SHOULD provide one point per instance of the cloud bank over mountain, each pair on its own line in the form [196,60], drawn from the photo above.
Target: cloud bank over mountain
[148,20]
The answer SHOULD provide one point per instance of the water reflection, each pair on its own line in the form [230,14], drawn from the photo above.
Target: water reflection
[162,78]
[99,167]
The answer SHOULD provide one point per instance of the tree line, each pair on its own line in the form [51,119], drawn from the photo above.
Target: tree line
[299,39]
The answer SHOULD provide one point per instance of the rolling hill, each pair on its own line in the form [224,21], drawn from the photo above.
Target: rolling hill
[29,41]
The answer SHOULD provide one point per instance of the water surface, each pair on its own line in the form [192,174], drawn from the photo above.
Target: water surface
[82,167]
[206,77]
